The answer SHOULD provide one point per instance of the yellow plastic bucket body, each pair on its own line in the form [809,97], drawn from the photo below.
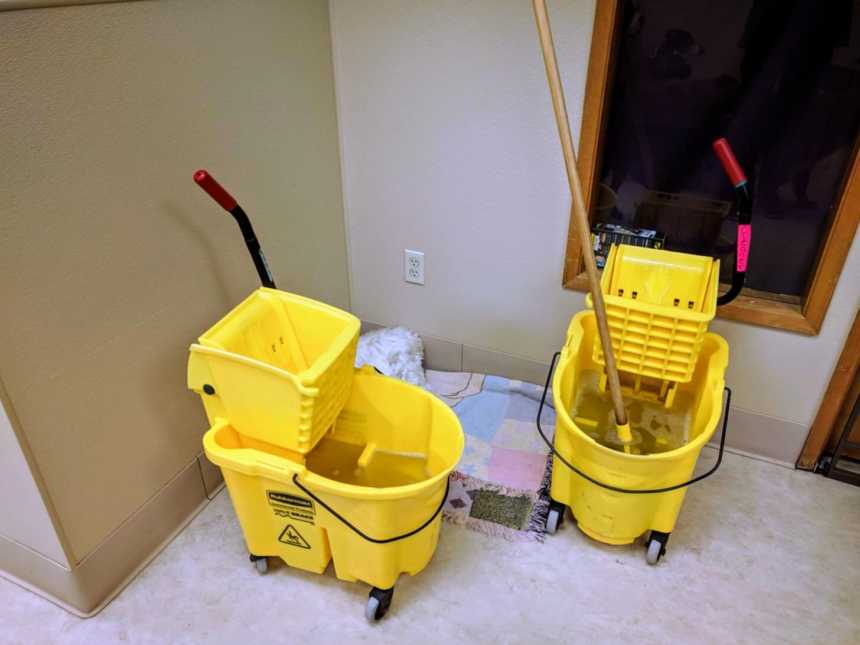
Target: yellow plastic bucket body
[278,366]
[614,517]
[386,421]
[658,305]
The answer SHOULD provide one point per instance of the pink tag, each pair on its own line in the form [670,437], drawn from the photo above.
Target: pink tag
[744,237]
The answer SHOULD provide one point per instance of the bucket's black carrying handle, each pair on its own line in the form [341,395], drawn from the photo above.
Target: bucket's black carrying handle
[743,210]
[361,533]
[639,491]
[217,192]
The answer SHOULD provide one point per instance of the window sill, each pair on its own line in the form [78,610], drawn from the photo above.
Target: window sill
[749,307]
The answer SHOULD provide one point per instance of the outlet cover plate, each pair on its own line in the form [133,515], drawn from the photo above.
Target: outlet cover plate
[413,266]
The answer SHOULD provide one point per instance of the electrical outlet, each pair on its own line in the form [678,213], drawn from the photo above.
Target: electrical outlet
[413,266]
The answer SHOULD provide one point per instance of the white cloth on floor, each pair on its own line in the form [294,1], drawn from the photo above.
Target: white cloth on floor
[394,351]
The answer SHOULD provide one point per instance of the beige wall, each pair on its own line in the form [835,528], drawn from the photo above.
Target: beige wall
[449,147]
[24,519]
[111,259]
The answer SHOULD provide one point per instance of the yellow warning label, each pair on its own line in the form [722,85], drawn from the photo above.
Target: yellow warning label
[291,536]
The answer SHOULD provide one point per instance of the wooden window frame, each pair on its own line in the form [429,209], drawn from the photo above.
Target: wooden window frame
[833,411]
[754,307]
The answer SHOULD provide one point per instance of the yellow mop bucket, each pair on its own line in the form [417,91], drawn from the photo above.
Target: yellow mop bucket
[617,497]
[368,497]
[620,480]
[278,366]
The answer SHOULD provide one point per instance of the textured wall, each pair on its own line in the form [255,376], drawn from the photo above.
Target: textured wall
[449,146]
[111,260]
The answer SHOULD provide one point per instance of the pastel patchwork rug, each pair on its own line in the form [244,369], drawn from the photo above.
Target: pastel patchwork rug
[500,485]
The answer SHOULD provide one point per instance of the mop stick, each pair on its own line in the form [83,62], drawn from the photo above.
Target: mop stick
[581,218]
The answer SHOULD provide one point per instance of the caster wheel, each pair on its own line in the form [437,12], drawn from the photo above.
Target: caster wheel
[552,521]
[378,603]
[372,609]
[261,563]
[652,556]
[555,517]
[656,547]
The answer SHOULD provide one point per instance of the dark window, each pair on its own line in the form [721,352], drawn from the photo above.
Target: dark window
[780,79]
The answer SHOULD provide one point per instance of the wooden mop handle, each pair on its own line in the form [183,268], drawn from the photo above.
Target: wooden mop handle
[583,229]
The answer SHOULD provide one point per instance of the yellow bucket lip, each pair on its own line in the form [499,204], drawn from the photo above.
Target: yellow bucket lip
[256,462]
[261,365]
[338,344]
[695,445]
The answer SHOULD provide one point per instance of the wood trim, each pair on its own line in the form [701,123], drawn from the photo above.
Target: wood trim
[594,117]
[834,399]
[750,307]
[842,421]
[834,250]
[767,312]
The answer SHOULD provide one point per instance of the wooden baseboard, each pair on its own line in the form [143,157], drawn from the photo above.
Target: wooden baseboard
[87,588]
[759,435]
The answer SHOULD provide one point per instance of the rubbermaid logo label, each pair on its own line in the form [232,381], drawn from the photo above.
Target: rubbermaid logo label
[290,500]
[291,506]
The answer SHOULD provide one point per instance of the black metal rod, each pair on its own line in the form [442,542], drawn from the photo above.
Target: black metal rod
[226,201]
[253,245]
[743,210]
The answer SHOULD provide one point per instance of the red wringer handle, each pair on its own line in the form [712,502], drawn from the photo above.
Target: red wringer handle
[743,211]
[215,190]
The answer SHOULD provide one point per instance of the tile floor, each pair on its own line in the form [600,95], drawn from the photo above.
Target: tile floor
[761,554]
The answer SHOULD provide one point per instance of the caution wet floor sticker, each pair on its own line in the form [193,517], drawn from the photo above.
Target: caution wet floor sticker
[291,536]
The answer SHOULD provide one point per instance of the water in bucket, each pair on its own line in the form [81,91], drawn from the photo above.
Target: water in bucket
[655,429]
[340,461]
